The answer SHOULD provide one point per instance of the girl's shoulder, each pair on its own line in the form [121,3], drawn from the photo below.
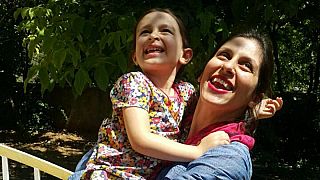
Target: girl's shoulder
[135,74]
[185,86]
[137,77]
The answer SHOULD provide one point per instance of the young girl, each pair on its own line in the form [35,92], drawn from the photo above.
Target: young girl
[148,106]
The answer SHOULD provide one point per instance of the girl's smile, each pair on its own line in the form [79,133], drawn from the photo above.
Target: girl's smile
[158,43]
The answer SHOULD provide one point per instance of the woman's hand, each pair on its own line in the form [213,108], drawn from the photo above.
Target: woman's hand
[268,107]
[213,140]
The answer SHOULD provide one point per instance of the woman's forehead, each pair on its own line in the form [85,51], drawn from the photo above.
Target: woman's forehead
[246,47]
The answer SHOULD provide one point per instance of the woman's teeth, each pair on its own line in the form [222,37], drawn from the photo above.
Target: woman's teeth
[221,84]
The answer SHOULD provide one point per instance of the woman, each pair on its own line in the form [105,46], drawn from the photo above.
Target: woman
[231,85]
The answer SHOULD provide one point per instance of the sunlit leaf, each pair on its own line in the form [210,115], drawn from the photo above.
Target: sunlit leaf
[32,72]
[24,12]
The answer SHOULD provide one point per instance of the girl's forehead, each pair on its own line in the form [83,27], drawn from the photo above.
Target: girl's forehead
[157,17]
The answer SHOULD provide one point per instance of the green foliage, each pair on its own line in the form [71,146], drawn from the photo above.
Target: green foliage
[75,44]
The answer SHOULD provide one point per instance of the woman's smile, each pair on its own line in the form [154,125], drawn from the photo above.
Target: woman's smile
[220,84]
[231,76]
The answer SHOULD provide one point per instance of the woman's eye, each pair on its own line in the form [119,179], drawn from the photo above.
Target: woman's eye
[224,55]
[248,66]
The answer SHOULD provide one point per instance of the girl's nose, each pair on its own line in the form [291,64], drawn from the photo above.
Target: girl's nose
[154,35]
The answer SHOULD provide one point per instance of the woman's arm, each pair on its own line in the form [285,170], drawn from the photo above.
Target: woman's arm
[143,141]
[230,161]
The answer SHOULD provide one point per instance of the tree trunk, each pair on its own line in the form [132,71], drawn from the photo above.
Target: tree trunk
[317,70]
[85,113]
[276,59]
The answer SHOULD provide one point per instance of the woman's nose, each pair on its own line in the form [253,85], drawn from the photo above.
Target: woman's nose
[228,67]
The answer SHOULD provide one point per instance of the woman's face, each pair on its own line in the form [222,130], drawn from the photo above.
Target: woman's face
[231,76]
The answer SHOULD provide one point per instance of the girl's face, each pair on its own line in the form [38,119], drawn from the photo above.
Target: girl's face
[158,43]
[231,76]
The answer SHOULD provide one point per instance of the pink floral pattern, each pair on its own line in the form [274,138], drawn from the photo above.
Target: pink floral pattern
[113,157]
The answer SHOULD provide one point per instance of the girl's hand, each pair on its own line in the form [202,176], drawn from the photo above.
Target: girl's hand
[213,140]
[269,107]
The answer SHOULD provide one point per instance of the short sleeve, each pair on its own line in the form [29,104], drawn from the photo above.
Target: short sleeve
[131,90]
[186,89]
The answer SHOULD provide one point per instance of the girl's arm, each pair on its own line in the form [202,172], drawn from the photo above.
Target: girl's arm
[268,107]
[143,141]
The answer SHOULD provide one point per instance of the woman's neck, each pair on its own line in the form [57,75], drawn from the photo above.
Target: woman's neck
[206,114]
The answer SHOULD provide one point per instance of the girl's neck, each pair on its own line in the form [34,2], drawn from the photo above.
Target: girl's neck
[163,82]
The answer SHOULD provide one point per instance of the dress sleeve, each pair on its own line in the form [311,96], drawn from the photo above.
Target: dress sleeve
[131,90]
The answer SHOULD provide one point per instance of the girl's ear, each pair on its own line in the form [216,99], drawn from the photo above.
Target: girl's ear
[256,99]
[199,78]
[186,56]
[133,57]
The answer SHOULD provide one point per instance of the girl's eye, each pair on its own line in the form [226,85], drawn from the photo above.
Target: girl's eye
[144,32]
[167,30]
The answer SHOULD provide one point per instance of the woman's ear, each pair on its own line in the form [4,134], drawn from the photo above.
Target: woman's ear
[186,56]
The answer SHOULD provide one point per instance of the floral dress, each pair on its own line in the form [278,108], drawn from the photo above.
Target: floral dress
[113,157]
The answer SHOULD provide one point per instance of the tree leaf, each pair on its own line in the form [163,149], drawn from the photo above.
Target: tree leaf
[123,23]
[116,40]
[32,72]
[78,24]
[122,62]
[31,46]
[24,12]
[103,41]
[17,13]
[44,78]
[59,57]
[81,80]
[101,76]
[75,56]
[31,13]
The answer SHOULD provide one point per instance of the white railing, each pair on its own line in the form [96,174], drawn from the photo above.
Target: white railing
[38,164]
